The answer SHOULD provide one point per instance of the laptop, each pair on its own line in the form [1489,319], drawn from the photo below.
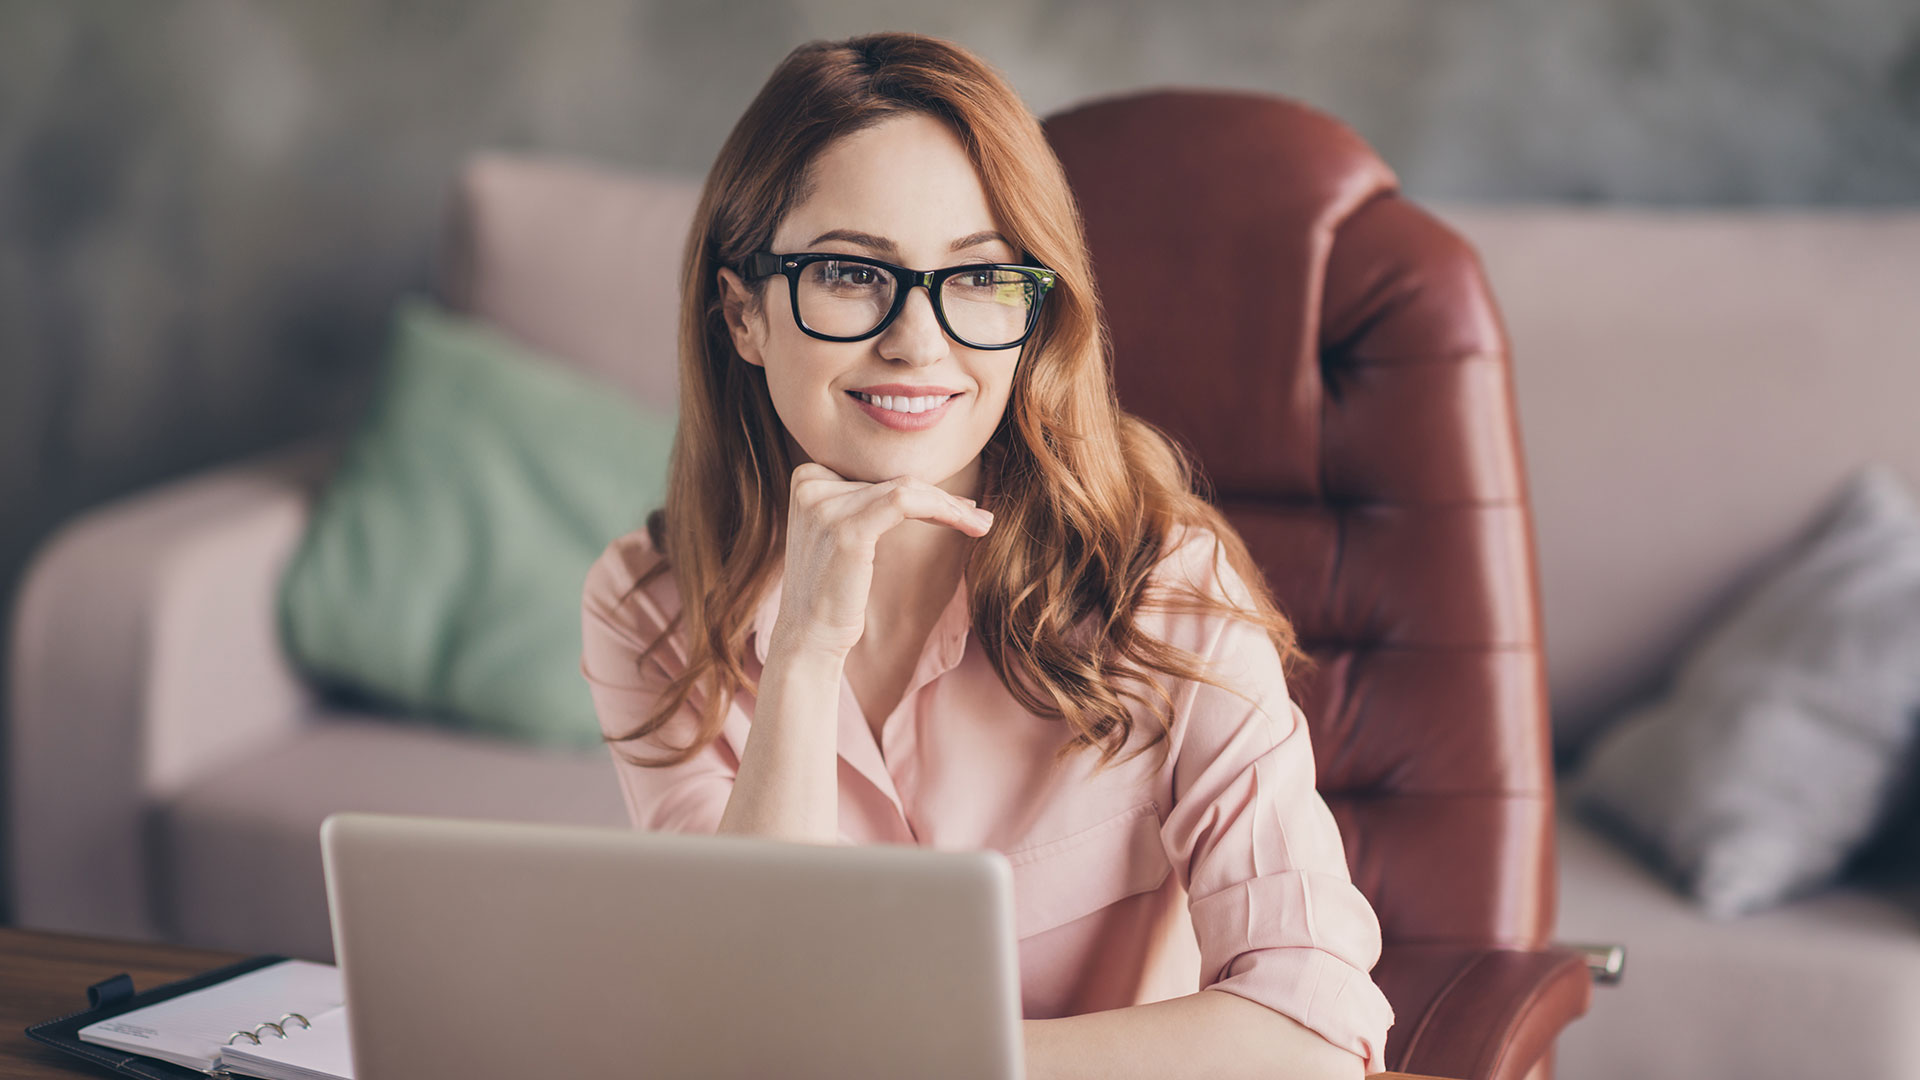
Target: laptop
[487,950]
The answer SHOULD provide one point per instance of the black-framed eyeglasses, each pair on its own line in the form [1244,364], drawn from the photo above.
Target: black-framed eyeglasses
[852,298]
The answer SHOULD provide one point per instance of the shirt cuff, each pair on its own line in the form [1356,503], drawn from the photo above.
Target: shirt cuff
[1263,928]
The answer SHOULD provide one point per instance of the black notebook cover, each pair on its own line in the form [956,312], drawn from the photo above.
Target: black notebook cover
[115,996]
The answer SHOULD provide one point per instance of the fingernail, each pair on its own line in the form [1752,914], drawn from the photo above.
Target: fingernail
[985,515]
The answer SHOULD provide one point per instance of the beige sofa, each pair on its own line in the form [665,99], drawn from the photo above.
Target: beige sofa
[1692,386]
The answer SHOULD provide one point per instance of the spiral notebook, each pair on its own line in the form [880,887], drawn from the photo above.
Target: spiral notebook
[285,1020]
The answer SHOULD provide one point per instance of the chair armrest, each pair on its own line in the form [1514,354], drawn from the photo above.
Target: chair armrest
[145,652]
[1492,1014]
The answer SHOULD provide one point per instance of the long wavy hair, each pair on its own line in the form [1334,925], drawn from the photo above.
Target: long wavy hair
[1087,498]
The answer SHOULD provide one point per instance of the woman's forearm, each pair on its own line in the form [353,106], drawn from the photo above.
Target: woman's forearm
[788,786]
[1212,1033]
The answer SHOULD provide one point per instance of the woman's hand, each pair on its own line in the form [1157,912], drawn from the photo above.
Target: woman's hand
[832,526]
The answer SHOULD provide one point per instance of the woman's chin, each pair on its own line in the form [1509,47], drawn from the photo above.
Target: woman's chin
[877,469]
[873,465]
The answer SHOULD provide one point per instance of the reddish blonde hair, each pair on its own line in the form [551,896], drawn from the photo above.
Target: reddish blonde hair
[1086,497]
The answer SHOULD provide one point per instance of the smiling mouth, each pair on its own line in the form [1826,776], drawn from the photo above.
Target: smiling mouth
[906,406]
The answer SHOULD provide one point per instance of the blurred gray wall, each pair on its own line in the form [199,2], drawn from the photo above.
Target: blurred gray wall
[208,206]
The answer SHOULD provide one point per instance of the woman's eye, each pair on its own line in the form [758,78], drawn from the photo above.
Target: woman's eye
[849,273]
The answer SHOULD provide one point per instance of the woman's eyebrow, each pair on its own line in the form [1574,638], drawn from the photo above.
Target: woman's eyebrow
[888,248]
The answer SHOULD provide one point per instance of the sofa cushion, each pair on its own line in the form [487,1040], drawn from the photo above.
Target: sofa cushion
[1779,747]
[579,261]
[440,572]
[1823,986]
[237,853]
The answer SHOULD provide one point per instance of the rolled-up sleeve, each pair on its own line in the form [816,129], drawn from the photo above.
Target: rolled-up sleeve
[1277,917]
[618,622]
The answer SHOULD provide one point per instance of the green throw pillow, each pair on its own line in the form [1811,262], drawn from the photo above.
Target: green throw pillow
[442,569]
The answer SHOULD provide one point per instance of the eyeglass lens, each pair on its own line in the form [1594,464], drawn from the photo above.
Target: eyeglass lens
[983,307]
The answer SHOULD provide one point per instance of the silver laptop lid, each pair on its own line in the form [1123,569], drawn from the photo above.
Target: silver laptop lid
[492,949]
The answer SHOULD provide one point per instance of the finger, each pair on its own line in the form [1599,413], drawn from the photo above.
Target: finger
[887,506]
[857,495]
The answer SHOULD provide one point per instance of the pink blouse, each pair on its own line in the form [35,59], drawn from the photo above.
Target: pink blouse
[1220,869]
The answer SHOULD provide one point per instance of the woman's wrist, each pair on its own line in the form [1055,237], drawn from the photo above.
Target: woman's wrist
[793,646]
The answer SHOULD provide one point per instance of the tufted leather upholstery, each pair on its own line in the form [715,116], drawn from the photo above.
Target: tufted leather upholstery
[1333,357]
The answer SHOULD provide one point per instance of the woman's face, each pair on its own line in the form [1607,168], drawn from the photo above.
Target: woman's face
[904,191]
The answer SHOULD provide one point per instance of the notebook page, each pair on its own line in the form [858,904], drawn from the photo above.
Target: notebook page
[190,1029]
[321,1052]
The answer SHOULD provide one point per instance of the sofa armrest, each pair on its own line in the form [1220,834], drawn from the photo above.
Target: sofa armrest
[145,653]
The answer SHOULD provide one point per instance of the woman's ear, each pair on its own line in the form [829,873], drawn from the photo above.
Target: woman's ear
[746,322]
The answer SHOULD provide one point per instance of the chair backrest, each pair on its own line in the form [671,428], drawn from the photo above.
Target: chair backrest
[1332,356]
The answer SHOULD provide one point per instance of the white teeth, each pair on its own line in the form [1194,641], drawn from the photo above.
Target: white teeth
[907,405]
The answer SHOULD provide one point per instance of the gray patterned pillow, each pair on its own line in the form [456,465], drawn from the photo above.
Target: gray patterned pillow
[1780,745]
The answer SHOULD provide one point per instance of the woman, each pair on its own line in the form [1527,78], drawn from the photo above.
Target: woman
[913,547]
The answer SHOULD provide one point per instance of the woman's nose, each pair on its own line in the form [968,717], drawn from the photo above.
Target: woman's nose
[915,334]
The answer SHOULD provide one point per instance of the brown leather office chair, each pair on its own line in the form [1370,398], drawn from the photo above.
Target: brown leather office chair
[1333,357]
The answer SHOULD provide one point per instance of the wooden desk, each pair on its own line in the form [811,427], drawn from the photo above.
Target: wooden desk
[46,975]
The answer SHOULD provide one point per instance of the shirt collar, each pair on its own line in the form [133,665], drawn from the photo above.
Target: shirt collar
[768,611]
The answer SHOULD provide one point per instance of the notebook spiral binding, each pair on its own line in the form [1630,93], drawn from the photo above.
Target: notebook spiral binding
[276,1025]
[279,1030]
